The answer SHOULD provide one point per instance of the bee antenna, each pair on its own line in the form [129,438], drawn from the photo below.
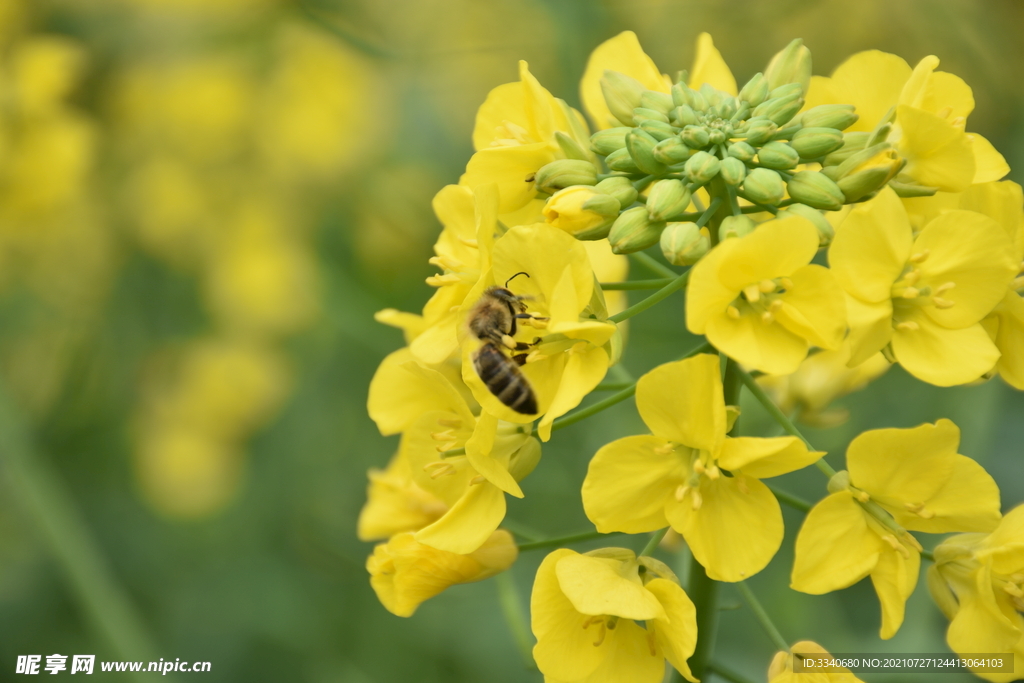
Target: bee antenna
[522,272]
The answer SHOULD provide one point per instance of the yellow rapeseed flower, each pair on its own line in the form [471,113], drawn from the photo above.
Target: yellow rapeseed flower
[978,582]
[760,300]
[730,520]
[404,573]
[585,610]
[898,479]
[570,350]
[395,504]
[781,668]
[922,296]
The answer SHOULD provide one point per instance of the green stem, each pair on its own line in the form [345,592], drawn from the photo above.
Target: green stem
[780,417]
[612,386]
[709,212]
[635,284]
[653,543]
[515,616]
[728,674]
[584,413]
[70,541]
[641,306]
[762,616]
[789,499]
[565,540]
[640,185]
[652,264]
[927,554]
[703,591]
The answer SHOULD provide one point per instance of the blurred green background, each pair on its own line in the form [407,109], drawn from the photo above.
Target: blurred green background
[202,203]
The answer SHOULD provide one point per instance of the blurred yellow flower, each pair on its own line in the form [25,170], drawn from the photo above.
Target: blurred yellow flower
[404,573]
[781,668]
[978,582]
[731,522]
[395,503]
[898,479]
[922,296]
[760,300]
[821,379]
[585,608]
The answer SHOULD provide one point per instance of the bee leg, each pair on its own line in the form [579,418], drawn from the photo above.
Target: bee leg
[519,358]
[522,346]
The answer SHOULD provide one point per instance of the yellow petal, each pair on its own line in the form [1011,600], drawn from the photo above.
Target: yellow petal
[871,248]
[623,54]
[979,624]
[870,328]
[598,585]
[628,482]
[401,390]
[937,153]
[775,249]
[944,357]
[511,169]
[682,402]
[629,657]
[871,81]
[899,466]
[989,164]
[540,105]
[677,635]
[1010,339]
[503,103]
[469,523]
[938,92]
[1003,202]
[1003,545]
[972,251]
[394,503]
[736,530]
[706,296]
[835,547]
[710,68]
[968,501]
[564,650]
[815,307]
[767,347]
[762,458]
[584,370]
[493,465]
[894,579]
[419,448]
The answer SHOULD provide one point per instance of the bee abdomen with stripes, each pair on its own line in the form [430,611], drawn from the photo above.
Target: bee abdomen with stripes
[504,379]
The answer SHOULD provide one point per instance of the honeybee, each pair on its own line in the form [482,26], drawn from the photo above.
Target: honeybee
[493,321]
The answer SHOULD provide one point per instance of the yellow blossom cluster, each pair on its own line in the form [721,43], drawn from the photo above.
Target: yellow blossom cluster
[832,227]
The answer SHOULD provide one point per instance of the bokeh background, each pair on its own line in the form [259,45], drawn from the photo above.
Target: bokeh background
[202,203]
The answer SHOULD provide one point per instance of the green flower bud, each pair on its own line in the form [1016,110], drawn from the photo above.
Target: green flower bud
[716,136]
[759,129]
[712,96]
[733,170]
[683,115]
[777,155]
[728,107]
[741,112]
[742,151]
[640,115]
[621,161]
[604,142]
[814,189]
[811,143]
[863,184]
[838,116]
[641,148]
[791,65]
[658,130]
[791,129]
[634,231]
[868,170]
[852,143]
[667,199]
[570,147]
[830,172]
[671,151]
[825,230]
[683,244]
[582,212]
[755,91]
[620,188]
[764,187]
[622,94]
[785,90]
[735,226]
[912,189]
[564,173]
[702,167]
[698,102]
[695,137]
[779,110]
[658,101]
[681,94]
[856,162]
